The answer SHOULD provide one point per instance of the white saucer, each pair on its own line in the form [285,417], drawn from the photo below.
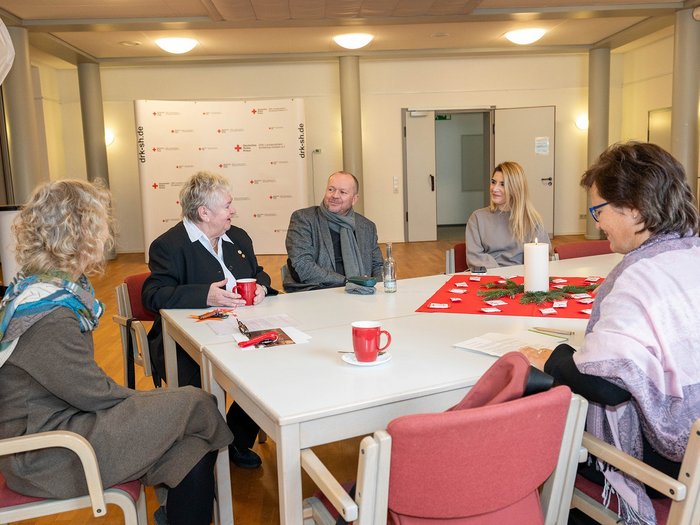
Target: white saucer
[352,360]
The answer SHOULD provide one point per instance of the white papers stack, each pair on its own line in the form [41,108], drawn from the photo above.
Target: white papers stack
[498,344]
[229,326]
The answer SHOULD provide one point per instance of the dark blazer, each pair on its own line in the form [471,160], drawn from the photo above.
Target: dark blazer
[182,272]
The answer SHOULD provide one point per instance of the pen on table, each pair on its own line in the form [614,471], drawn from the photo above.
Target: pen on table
[553,330]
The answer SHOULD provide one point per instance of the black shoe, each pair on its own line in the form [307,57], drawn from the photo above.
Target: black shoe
[244,458]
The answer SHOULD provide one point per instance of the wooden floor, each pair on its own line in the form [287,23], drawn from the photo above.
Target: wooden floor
[254,492]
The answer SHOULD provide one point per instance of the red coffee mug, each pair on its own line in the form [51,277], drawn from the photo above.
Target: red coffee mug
[246,289]
[365,340]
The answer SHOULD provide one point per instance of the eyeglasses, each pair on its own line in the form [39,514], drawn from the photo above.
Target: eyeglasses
[593,210]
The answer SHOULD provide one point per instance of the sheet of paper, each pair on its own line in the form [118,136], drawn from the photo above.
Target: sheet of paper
[497,344]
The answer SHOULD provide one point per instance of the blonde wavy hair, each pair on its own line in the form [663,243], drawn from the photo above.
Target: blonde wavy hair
[66,226]
[524,218]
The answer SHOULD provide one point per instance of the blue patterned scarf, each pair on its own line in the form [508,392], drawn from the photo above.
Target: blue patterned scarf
[30,298]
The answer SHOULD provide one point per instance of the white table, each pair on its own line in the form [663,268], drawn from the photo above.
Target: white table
[305,395]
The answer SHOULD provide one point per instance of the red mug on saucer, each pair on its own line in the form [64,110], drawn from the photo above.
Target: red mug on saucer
[246,289]
[365,340]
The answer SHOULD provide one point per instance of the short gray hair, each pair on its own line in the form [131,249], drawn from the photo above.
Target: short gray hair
[201,189]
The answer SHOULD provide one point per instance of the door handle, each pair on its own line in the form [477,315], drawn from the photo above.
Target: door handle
[432,182]
[547,180]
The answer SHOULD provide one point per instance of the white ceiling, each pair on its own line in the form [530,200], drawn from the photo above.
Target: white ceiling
[230,30]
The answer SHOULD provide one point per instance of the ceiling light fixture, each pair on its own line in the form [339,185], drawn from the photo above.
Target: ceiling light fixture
[176,45]
[353,40]
[525,36]
[130,43]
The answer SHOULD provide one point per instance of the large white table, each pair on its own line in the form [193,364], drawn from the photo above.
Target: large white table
[305,395]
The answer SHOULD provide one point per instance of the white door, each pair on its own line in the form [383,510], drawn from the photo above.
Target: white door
[526,135]
[420,202]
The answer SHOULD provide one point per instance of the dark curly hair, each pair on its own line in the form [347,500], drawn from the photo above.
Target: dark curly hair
[646,177]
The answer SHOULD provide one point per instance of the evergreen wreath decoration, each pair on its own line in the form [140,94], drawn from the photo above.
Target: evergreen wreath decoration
[511,289]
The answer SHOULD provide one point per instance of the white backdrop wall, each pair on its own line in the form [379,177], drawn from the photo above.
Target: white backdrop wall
[638,84]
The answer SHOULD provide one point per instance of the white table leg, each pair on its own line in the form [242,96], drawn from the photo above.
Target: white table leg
[289,475]
[224,500]
[170,354]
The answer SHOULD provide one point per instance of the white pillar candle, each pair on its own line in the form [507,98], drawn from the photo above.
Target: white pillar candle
[536,267]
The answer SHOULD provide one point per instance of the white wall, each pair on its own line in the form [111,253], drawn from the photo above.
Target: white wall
[640,80]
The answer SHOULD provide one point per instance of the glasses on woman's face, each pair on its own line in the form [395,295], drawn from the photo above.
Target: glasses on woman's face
[593,210]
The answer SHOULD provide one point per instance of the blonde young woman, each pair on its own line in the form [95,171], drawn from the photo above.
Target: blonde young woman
[496,234]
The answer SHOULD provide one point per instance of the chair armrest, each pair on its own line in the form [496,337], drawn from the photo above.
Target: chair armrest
[72,441]
[330,487]
[119,319]
[637,469]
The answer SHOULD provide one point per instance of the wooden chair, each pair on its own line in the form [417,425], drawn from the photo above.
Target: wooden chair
[570,250]
[15,507]
[130,317]
[681,507]
[480,465]
[456,259]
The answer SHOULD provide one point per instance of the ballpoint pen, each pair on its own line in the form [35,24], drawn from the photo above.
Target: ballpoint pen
[553,330]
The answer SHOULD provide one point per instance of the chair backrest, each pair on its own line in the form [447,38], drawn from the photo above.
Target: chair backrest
[571,250]
[456,258]
[134,284]
[460,257]
[130,314]
[471,473]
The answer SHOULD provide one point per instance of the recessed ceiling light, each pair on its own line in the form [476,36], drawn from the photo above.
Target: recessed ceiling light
[353,40]
[525,36]
[176,45]
[439,34]
[130,43]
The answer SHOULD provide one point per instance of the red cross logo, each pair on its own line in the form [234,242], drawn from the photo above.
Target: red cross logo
[155,149]
[155,185]
[252,182]
[218,131]
[238,147]
[254,111]
[154,113]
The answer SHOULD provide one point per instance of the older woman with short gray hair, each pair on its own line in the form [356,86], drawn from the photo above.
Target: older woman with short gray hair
[196,264]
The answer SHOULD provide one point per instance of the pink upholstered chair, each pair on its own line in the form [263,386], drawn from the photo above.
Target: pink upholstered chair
[681,507]
[131,314]
[15,507]
[480,463]
[571,250]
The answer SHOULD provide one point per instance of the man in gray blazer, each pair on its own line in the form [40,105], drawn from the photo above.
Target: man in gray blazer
[330,242]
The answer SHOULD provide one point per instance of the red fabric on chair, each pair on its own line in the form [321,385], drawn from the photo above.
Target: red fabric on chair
[571,250]
[487,466]
[504,381]
[135,283]
[662,506]
[10,498]
[460,257]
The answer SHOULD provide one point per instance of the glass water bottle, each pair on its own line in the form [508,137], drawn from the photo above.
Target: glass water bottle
[389,273]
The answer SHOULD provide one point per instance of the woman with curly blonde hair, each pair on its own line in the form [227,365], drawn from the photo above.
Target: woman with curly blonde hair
[496,234]
[50,381]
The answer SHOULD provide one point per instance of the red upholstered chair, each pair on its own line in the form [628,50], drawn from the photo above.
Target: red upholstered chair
[480,463]
[570,250]
[131,314]
[456,258]
[681,507]
[15,507]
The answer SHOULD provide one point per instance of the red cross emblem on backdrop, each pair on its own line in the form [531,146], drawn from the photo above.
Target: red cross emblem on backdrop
[254,111]
[238,147]
[155,185]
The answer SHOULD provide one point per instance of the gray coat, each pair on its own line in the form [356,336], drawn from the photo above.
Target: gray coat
[51,382]
[310,250]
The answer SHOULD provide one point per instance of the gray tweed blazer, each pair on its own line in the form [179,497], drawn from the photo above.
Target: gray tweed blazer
[310,250]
